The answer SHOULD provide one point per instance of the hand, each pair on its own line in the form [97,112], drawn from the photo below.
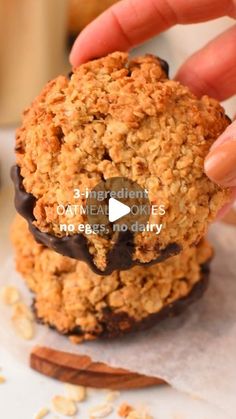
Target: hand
[211,70]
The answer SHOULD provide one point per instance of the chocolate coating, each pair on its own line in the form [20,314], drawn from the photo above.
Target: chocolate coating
[164,65]
[115,325]
[76,246]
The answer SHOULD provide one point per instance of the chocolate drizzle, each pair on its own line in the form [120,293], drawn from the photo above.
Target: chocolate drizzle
[164,66]
[114,325]
[76,246]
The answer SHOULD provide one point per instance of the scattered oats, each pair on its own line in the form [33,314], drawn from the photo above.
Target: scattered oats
[2,379]
[22,319]
[134,414]
[112,396]
[124,410]
[10,295]
[75,393]
[101,411]
[21,309]
[76,339]
[42,413]
[64,406]
[128,412]
[24,327]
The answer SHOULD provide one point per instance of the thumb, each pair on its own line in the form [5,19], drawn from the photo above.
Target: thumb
[220,163]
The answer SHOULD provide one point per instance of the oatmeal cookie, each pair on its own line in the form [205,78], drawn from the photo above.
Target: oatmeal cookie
[77,302]
[117,117]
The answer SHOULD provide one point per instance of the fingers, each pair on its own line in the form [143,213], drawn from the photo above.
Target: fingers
[220,164]
[130,22]
[211,70]
[226,208]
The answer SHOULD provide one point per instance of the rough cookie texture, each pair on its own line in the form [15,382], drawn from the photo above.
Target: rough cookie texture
[81,12]
[74,300]
[116,117]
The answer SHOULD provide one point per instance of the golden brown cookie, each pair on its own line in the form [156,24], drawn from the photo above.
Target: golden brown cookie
[117,117]
[76,301]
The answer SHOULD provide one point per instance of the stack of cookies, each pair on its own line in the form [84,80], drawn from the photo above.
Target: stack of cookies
[114,118]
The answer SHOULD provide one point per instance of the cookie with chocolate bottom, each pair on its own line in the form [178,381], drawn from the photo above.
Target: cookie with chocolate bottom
[118,118]
[75,301]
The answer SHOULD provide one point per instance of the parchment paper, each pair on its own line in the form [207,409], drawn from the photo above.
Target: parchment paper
[195,353]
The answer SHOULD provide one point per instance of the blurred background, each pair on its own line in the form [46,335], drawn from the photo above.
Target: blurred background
[36,36]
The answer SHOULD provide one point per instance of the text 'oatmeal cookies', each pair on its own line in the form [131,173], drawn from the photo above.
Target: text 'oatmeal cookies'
[116,117]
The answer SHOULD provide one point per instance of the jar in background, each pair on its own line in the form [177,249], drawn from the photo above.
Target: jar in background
[32,51]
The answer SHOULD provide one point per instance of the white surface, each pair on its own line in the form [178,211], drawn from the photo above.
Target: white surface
[25,391]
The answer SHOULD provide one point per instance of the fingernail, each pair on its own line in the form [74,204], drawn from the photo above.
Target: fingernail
[220,163]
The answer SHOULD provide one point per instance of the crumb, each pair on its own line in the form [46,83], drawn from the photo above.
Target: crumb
[42,413]
[10,294]
[76,340]
[75,393]
[101,411]
[23,326]
[64,406]
[138,415]
[112,396]
[20,309]
[2,379]
[124,410]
